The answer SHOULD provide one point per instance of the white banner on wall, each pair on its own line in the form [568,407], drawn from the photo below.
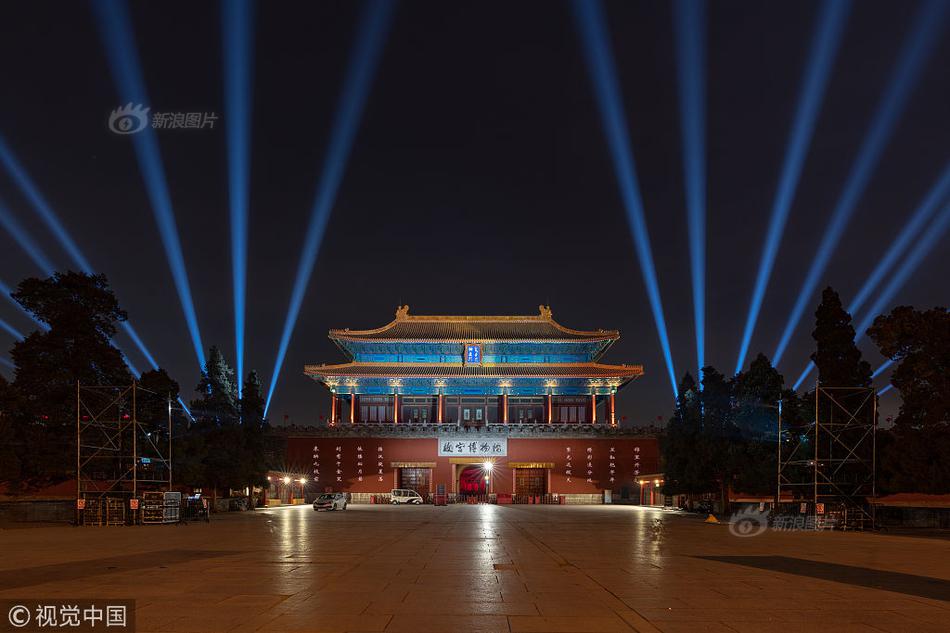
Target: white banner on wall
[467,447]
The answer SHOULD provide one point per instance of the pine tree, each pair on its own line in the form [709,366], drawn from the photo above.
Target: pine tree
[254,427]
[687,454]
[218,389]
[252,402]
[837,358]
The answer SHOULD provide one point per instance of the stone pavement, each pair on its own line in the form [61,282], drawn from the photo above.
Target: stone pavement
[485,568]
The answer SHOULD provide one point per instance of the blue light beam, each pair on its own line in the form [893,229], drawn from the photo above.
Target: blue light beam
[885,390]
[115,27]
[371,34]
[927,241]
[9,329]
[880,370]
[12,226]
[40,259]
[689,21]
[921,216]
[939,193]
[6,362]
[825,43]
[42,208]
[236,18]
[917,45]
[595,40]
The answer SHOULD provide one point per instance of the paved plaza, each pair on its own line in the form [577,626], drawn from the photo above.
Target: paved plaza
[485,568]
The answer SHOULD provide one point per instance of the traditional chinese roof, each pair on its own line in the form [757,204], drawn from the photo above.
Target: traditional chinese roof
[488,370]
[467,329]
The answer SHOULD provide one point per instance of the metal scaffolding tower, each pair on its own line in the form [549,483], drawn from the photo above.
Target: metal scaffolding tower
[119,455]
[830,463]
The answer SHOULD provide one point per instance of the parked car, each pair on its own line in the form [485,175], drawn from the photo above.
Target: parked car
[402,495]
[330,501]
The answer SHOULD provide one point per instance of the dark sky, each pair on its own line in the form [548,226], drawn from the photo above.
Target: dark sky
[479,183]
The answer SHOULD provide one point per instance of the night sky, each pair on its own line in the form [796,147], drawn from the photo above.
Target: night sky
[480,181]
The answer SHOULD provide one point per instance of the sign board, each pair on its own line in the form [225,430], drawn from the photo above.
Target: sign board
[80,504]
[819,508]
[133,504]
[463,446]
[803,508]
[473,354]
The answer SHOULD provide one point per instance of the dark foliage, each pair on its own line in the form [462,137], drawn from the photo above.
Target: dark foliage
[913,455]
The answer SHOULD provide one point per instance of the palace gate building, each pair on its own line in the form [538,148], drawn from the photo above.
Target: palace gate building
[488,406]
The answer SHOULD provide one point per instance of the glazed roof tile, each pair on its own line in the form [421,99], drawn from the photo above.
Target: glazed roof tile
[462,329]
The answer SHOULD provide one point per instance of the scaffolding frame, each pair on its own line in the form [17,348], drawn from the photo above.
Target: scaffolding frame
[832,463]
[117,454]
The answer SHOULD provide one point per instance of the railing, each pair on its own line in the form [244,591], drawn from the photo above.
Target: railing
[538,499]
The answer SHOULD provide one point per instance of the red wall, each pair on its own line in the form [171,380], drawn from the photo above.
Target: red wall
[631,457]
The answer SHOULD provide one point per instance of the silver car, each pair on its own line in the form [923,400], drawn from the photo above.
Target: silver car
[330,501]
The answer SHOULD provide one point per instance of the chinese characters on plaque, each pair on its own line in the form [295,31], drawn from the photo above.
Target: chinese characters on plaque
[339,464]
[379,463]
[613,465]
[567,465]
[636,461]
[590,464]
[359,463]
[316,463]
[465,447]
[473,354]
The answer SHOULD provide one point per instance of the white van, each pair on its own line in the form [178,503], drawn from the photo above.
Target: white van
[402,495]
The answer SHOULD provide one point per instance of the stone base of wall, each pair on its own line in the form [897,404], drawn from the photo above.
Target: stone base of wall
[582,499]
[366,497]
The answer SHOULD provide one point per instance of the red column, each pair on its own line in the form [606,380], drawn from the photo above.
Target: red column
[395,408]
[593,408]
[439,413]
[550,407]
[613,414]
[504,405]
[333,408]
[352,408]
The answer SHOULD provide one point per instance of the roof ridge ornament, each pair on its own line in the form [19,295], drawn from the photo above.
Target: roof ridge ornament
[545,311]
[402,312]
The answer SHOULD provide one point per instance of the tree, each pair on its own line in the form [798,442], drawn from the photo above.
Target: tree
[919,342]
[254,425]
[914,453]
[218,389]
[687,455]
[757,392]
[9,459]
[80,313]
[837,358]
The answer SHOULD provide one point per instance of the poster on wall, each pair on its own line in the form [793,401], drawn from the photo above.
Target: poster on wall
[467,447]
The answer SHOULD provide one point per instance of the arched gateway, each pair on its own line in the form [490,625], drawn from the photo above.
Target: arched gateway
[499,406]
